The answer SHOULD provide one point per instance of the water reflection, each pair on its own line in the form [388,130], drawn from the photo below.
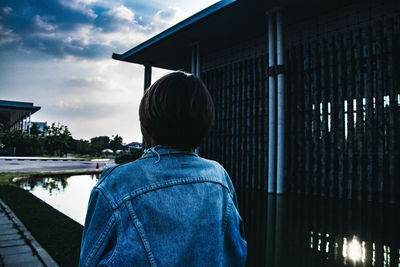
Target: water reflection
[49,183]
[300,231]
[68,194]
[281,231]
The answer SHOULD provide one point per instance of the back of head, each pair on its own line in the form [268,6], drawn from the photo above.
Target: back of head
[177,111]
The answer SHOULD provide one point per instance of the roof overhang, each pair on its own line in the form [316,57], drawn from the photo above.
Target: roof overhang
[171,48]
[220,26]
[16,105]
[12,112]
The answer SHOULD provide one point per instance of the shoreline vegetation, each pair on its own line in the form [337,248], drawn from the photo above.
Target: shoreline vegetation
[58,234]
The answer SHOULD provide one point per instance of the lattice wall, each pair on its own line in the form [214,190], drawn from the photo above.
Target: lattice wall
[342,106]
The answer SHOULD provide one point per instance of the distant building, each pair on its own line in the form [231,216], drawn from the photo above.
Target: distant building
[16,115]
[134,145]
[42,126]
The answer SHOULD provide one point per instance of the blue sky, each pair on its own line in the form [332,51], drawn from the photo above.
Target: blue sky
[57,54]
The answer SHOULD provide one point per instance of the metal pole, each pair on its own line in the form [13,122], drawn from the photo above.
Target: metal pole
[280,187]
[198,71]
[272,104]
[147,76]
[147,83]
[193,69]
[29,123]
[196,67]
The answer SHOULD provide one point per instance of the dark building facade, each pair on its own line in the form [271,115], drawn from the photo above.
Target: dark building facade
[307,95]
[16,115]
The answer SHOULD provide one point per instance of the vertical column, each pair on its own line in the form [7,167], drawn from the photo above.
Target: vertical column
[300,119]
[280,187]
[324,118]
[29,123]
[260,123]
[246,112]
[380,111]
[339,115]
[315,117]
[369,112]
[193,64]
[307,118]
[257,131]
[147,76]
[272,103]
[198,70]
[350,113]
[236,147]
[389,184]
[253,103]
[332,122]
[147,82]
[359,117]
[291,63]
[241,122]
[195,68]
[234,125]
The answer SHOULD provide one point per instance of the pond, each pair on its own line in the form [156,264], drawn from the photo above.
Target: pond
[68,194]
[280,231]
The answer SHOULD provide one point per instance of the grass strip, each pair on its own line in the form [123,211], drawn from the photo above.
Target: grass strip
[59,235]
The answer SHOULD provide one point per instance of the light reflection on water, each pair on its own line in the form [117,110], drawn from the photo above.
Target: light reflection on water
[310,231]
[280,231]
[68,194]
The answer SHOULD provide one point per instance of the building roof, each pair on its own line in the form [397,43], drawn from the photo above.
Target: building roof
[17,105]
[217,27]
[213,27]
[12,112]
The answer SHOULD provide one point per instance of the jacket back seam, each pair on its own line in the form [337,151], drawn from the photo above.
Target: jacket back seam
[142,235]
[153,187]
[117,246]
[100,241]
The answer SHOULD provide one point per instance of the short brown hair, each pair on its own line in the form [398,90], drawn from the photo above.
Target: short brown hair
[177,111]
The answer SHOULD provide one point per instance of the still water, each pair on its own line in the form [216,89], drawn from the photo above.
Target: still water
[68,194]
[280,231]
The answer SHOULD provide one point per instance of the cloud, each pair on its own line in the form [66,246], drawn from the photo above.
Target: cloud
[92,97]
[41,23]
[116,19]
[6,10]
[7,35]
[122,13]
[87,29]
[167,17]
[57,54]
[167,14]
[78,82]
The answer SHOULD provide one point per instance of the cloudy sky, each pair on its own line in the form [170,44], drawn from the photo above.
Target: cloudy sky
[57,54]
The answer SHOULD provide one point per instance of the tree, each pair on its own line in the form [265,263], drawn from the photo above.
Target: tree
[80,146]
[57,139]
[35,130]
[99,143]
[25,144]
[116,143]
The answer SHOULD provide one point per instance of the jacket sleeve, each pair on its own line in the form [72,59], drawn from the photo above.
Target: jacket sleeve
[99,239]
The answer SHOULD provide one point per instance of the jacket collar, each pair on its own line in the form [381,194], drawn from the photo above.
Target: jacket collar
[161,150]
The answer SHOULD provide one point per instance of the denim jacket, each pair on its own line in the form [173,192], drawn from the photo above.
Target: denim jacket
[168,208]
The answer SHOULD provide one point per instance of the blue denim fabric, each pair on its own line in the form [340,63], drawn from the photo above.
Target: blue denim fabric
[168,208]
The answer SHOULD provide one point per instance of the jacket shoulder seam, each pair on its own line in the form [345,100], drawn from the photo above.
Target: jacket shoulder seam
[156,186]
[100,240]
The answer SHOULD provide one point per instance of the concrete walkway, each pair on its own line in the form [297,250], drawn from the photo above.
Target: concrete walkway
[41,164]
[17,245]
